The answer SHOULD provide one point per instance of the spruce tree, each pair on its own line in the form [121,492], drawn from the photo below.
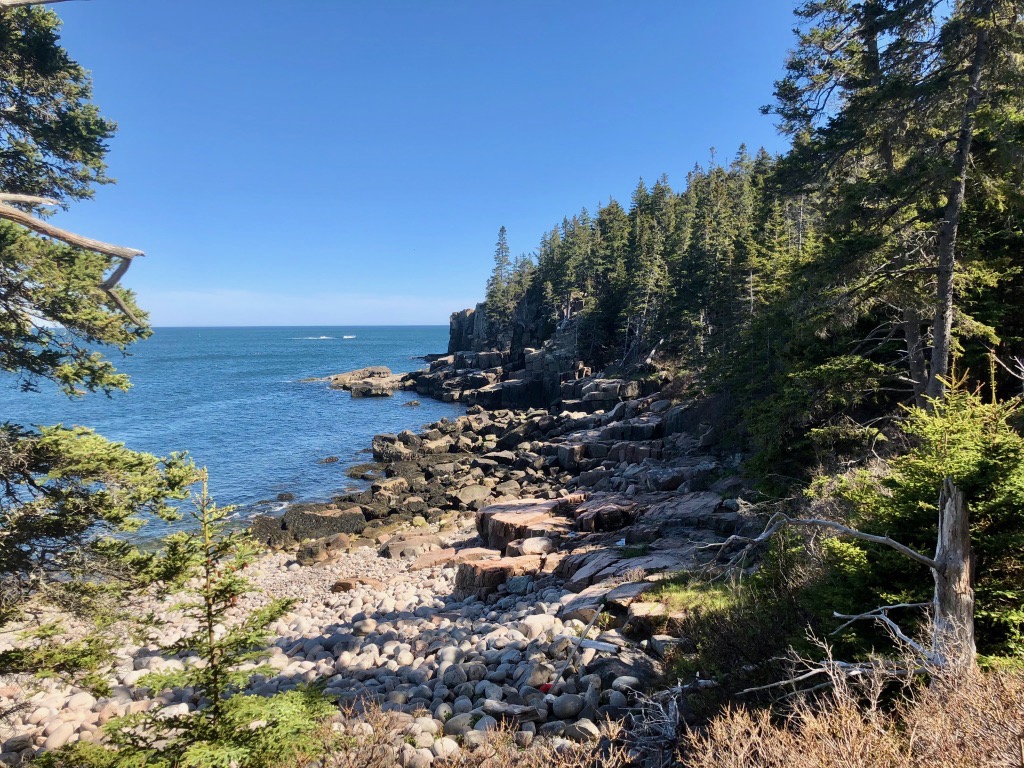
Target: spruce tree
[227,727]
[498,298]
[65,494]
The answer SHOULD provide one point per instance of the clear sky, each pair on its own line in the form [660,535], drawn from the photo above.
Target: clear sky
[350,162]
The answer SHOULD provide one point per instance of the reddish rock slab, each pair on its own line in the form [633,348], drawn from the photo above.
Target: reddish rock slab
[500,524]
[451,556]
[431,559]
[604,515]
[482,577]
[687,509]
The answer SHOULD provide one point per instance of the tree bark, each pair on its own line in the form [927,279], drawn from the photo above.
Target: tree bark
[942,327]
[953,636]
[915,354]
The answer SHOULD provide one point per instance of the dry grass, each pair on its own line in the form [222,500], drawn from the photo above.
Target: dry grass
[351,744]
[973,722]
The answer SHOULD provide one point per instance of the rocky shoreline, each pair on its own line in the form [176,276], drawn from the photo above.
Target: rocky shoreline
[492,575]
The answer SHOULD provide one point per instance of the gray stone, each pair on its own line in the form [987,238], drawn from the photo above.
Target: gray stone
[454,676]
[582,730]
[519,585]
[486,723]
[459,725]
[551,729]
[567,706]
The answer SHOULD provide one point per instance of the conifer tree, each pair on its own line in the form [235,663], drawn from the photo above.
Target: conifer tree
[228,727]
[884,100]
[64,493]
[499,300]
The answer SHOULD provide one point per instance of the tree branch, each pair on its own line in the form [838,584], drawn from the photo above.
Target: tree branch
[7,197]
[38,225]
[882,615]
[18,3]
[780,521]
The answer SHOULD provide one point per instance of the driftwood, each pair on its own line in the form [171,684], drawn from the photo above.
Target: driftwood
[27,220]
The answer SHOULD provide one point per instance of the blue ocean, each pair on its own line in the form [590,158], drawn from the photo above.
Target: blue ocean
[235,400]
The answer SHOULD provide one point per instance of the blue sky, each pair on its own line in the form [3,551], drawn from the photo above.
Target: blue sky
[332,162]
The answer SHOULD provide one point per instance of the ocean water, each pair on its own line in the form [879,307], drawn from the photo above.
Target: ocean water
[233,398]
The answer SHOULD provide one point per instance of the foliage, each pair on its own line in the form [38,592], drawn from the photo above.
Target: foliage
[65,494]
[229,727]
[974,443]
[54,316]
[53,136]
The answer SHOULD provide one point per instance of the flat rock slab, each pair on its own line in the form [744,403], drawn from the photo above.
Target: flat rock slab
[604,514]
[482,577]
[586,603]
[692,510]
[439,557]
[583,569]
[500,524]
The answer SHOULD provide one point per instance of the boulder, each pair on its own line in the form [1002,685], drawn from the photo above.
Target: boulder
[500,524]
[482,577]
[409,545]
[318,522]
[471,493]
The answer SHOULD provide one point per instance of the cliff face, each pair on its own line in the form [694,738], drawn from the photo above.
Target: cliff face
[526,365]
[467,330]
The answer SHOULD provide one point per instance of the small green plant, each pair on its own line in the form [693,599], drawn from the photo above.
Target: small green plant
[636,550]
[228,728]
[684,593]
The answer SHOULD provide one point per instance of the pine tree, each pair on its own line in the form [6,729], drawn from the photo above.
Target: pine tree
[228,727]
[64,493]
[499,300]
[884,100]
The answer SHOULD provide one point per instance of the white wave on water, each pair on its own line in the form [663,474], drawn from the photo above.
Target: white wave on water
[312,338]
[348,337]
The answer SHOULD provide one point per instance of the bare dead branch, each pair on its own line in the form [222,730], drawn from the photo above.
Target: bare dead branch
[881,615]
[19,3]
[7,197]
[38,225]
[781,520]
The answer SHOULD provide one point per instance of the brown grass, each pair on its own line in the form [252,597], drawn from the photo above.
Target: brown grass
[975,722]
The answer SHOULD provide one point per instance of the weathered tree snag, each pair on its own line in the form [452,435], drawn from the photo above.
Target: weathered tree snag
[953,634]
[952,641]
[942,326]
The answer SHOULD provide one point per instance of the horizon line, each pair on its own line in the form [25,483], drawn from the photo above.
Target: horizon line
[318,325]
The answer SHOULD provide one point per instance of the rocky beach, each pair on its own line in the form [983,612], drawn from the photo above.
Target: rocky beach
[495,573]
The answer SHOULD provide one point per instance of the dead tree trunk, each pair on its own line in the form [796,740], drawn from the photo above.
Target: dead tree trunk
[953,634]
